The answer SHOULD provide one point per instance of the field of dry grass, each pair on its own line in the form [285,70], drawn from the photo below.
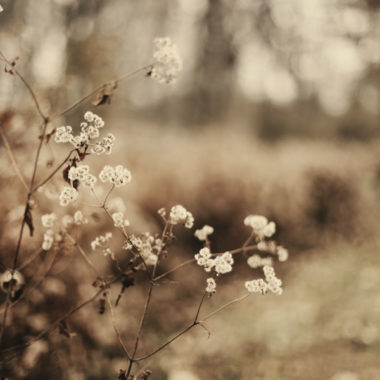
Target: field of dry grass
[324,198]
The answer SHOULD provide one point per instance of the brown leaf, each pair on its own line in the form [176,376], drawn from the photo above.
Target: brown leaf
[49,135]
[105,94]
[102,306]
[126,282]
[29,220]
[64,329]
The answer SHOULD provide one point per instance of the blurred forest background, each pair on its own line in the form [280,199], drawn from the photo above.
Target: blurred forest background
[276,113]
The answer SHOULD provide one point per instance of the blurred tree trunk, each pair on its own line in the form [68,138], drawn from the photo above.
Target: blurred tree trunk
[214,75]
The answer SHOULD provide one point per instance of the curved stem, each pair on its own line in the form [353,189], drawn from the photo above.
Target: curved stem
[99,88]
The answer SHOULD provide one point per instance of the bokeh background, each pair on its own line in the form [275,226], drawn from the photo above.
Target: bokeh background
[276,113]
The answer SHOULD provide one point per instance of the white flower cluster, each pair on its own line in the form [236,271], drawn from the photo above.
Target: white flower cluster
[1,8]
[271,283]
[211,285]
[105,145]
[273,248]
[178,214]
[162,212]
[48,220]
[118,176]
[48,239]
[82,174]
[256,261]
[101,241]
[203,233]
[119,221]
[148,247]
[167,61]
[89,131]
[260,225]
[17,278]
[222,264]
[79,218]
[68,195]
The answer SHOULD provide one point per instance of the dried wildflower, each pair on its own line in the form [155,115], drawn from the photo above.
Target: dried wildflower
[48,220]
[79,218]
[82,173]
[167,61]
[262,286]
[204,259]
[101,241]
[105,145]
[257,286]
[63,134]
[260,225]
[178,214]
[78,172]
[1,8]
[267,246]
[149,247]
[95,119]
[67,221]
[203,233]
[89,131]
[14,281]
[162,212]
[48,240]
[255,261]
[282,253]
[211,285]
[223,263]
[119,221]
[68,195]
[118,176]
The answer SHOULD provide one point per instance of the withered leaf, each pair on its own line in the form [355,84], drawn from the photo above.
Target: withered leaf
[105,94]
[102,306]
[65,174]
[126,282]
[29,220]
[64,329]
[49,135]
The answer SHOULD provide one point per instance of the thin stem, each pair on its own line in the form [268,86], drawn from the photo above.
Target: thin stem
[84,254]
[12,158]
[99,88]
[26,212]
[107,196]
[117,332]
[157,278]
[142,320]
[175,337]
[224,306]
[51,328]
[53,173]
[199,307]
[42,139]
[187,262]
[33,95]
[171,340]
[28,87]
[30,259]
